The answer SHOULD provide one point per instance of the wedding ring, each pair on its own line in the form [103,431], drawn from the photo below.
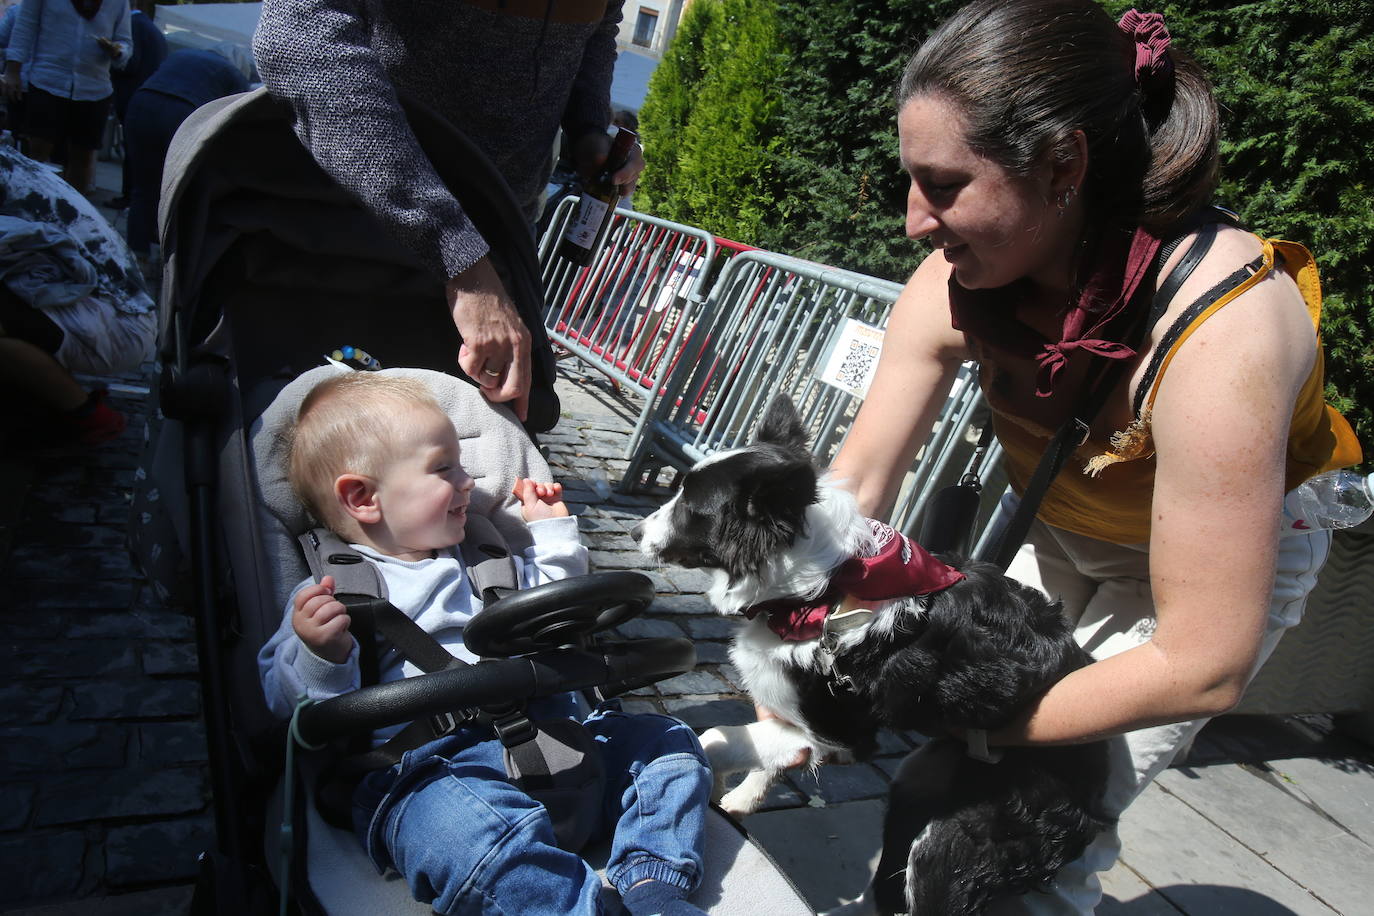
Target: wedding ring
[492,372]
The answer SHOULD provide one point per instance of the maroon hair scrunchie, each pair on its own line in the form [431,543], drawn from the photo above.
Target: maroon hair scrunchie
[1152,60]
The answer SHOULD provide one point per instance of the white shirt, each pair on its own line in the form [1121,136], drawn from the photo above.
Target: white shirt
[60,47]
[435,593]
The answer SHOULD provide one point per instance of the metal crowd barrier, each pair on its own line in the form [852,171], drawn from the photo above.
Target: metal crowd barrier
[707,331]
[767,328]
[626,311]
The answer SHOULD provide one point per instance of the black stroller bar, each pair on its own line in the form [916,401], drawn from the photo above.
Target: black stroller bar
[490,682]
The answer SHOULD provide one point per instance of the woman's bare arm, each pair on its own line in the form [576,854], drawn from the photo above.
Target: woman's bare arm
[921,354]
[1220,425]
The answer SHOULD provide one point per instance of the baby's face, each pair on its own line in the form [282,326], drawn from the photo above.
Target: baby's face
[424,491]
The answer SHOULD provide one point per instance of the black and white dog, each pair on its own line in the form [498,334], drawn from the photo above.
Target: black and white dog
[852,628]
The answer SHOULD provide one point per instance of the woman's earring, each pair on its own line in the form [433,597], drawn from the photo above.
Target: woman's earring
[1065,198]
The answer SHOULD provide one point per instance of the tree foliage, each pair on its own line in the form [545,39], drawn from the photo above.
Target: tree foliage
[808,163]
[710,122]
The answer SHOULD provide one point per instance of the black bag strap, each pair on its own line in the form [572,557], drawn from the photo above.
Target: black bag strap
[1181,324]
[1074,431]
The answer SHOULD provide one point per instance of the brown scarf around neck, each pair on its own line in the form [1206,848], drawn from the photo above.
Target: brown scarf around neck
[1123,261]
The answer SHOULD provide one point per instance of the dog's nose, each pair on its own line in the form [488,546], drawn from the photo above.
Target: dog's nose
[637,532]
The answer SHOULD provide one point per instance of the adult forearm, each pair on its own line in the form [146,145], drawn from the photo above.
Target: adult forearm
[588,106]
[1138,688]
[314,54]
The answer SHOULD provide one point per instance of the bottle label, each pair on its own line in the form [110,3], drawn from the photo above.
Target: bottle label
[590,213]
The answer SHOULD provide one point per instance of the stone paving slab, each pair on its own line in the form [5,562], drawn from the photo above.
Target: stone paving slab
[829,852]
[1342,785]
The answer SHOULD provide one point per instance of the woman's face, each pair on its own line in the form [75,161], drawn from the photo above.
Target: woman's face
[993,227]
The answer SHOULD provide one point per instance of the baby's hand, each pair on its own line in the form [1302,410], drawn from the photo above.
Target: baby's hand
[322,622]
[539,500]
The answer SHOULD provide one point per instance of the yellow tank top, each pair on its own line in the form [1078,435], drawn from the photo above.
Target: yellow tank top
[1105,490]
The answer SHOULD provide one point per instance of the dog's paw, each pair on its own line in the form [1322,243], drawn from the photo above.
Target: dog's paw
[745,798]
[736,806]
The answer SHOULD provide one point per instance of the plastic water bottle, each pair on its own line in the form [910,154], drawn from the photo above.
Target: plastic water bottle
[1336,499]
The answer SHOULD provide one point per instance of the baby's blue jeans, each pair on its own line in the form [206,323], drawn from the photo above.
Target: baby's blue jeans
[468,841]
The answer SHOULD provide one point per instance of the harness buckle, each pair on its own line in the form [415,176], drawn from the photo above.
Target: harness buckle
[514,728]
[445,723]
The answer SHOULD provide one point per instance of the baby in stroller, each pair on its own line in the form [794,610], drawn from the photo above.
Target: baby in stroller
[376,459]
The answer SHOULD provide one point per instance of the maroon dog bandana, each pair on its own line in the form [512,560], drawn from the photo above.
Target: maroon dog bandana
[899,569]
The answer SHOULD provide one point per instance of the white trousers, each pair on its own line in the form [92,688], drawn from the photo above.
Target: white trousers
[1105,589]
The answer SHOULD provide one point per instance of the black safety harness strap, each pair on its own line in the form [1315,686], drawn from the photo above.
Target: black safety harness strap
[554,761]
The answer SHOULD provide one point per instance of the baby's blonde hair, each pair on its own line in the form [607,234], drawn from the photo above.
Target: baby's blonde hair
[346,425]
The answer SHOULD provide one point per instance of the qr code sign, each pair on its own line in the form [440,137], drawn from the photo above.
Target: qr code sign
[854,357]
[858,364]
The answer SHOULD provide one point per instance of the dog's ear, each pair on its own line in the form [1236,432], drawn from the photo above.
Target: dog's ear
[782,426]
[767,516]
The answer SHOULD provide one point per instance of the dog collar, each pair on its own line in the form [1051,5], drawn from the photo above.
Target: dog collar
[898,568]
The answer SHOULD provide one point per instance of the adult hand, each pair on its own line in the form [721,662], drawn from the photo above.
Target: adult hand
[496,344]
[804,755]
[108,46]
[589,155]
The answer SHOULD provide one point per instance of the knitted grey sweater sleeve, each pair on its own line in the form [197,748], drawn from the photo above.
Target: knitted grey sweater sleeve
[504,82]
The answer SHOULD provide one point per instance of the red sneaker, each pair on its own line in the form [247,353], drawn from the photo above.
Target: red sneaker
[101,424]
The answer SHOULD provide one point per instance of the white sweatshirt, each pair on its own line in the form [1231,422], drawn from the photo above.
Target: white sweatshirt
[435,593]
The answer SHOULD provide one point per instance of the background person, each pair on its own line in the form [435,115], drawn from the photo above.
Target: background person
[1049,152]
[14,107]
[149,51]
[630,121]
[70,46]
[505,74]
[186,80]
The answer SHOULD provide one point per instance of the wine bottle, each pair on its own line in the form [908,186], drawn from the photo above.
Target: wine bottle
[596,204]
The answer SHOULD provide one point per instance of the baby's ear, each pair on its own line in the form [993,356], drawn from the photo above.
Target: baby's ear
[357,496]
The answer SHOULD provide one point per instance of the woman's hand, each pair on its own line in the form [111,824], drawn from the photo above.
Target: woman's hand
[322,622]
[804,755]
[496,344]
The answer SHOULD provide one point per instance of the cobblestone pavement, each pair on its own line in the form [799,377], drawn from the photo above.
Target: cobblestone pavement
[101,748]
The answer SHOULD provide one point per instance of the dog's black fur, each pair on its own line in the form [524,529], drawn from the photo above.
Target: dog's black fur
[959,833]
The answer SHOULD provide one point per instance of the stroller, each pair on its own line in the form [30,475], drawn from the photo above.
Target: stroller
[269,267]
